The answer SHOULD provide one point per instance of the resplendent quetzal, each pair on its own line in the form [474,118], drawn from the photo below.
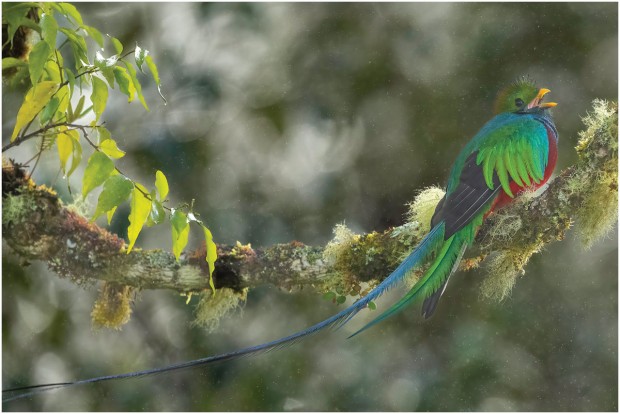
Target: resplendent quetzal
[516,150]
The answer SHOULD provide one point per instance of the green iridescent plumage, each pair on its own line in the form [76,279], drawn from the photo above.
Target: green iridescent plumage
[510,152]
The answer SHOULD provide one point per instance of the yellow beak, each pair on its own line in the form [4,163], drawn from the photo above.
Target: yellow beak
[536,101]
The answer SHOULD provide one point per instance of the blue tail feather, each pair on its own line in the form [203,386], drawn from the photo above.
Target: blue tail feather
[414,259]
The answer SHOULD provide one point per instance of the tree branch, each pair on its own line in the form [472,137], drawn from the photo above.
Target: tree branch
[36,225]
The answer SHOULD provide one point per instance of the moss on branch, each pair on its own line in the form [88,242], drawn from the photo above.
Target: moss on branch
[36,225]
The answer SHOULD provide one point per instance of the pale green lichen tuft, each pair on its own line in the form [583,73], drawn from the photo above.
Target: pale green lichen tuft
[602,122]
[598,211]
[421,209]
[343,239]
[212,308]
[504,228]
[112,308]
[503,270]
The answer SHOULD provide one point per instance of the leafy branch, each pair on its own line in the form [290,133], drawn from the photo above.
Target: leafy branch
[48,104]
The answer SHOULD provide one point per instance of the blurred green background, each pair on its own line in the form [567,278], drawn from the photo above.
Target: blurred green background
[286,119]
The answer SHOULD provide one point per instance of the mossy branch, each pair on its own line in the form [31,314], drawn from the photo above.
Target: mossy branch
[37,226]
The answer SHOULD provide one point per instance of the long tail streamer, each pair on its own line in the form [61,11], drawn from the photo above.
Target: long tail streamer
[417,257]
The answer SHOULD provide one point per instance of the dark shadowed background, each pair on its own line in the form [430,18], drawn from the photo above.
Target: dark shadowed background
[286,119]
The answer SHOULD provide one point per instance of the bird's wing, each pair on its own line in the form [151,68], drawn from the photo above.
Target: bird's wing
[517,151]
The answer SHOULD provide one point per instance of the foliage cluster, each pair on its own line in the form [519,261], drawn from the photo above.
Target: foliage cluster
[68,85]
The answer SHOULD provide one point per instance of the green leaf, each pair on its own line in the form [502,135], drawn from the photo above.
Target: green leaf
[99,96]
[70,78]
[69,10]
[124,82]
[97,171]
[211,254]
[15,16]
[106,66]
[77,151]
[94,33]
[9,62]
[118,46]
[140,55]
[79,108]
[372,305]
[140,210]
[103,134]
[63,99]
[49,111]
[161,183]
[110,214]
[109,147]
[151,64]
[36,98]
[68,144]
[158,214]
[49,29]
[134,78]
[329,296]
[40,52]
[78,46]
[102,62]
[180,232]
[64,144]
[116,189]
[51,70]
[341,299]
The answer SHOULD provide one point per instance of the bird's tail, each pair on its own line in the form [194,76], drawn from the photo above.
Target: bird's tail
[443,266]
[418,256]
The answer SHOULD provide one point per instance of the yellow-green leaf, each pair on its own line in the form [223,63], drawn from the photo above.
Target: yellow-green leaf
[109,147]
[94,33]
[140,210]
[64,144]
[79,108]
[36,98]
[70,78]
[118,46]
[103,134]
[110,214]
[116,189]
[99,96]
[49,111]
[136,83]
[36,60]
[151,64]
[69,10]
[63,98]
[10,62]
[78,46]
[49,29]
[180,232]
[125,83]
[98,170]
[161,183]
[68,143]
[211,257]
[52,73]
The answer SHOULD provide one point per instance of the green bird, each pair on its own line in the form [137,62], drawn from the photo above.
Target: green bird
[513,152]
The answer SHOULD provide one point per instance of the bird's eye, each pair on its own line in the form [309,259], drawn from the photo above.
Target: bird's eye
[519,102]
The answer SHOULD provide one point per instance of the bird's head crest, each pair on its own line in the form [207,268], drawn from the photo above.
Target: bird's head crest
[521,96]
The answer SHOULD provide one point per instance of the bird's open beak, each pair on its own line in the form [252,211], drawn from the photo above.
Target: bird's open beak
[536,101]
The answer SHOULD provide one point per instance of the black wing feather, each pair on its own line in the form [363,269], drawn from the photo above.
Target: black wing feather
[457,208]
